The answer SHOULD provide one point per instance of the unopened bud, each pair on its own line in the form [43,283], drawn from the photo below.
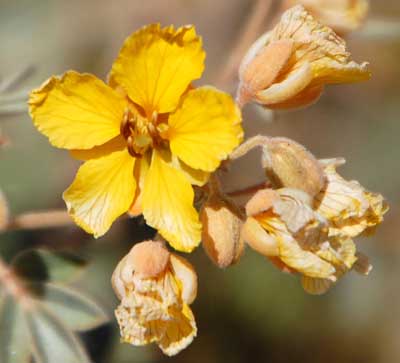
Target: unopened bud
[222,222]
[289,165]
[261,71]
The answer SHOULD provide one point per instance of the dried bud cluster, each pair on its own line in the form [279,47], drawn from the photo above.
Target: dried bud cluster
[289,66]
[307,230]
[155,288]
[342,16]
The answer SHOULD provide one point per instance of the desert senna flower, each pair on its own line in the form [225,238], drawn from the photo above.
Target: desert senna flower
[146,137]
[342,16]
[289,66]
[283,226]
[349,207]
[155,288]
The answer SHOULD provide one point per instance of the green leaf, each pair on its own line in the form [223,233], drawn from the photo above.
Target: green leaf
[14,339]
[41,266]
[76,310]
[53,341]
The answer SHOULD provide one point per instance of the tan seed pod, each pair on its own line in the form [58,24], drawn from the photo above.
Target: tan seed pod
[290,165]
[222,222]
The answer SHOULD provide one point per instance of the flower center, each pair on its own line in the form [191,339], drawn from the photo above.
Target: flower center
[141,133]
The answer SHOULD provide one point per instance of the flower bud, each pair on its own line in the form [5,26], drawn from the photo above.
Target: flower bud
[289,165]
[222,222]
[289,66]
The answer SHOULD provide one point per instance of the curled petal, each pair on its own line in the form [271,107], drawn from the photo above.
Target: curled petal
[156,65]
[168,204]
[102,190]
[77,111]
[205,128]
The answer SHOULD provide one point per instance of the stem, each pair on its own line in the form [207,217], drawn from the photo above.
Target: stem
[248,34]
[249,145]
[40,220]
[249,190]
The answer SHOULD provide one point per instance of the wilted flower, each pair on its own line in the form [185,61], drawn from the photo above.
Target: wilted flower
[349,208]
[155,288]
[289,66]
[342,16]
[147,137]
[283,226]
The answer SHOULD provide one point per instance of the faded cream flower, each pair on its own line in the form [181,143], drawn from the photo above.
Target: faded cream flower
[155,288]
[342,16]
[283,226]
[349,208]
[289,66]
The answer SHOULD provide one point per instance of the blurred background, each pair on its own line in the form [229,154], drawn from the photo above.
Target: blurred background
[250,311]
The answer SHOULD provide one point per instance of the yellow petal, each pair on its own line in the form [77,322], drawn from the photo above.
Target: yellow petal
[186,274]
[116,144]
[168,204]
[77,111]
[102,190]
[155,66]
[180,331]
[205,129]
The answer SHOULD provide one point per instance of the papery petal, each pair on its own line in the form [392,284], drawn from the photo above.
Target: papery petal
[77,111]
[180,332]
[156,65]
[102,190]
[186,274]
[205,128]
[315,286]
[318,45]
[168,204]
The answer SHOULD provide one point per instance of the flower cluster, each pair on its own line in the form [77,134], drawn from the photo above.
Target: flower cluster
[150,141]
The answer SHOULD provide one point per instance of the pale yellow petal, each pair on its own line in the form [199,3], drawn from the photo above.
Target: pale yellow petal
[319,46]
[77,111]
[156,65]
[205,128]
[102,190]
[168,204]
[186,274]
[315,286]
[179,333]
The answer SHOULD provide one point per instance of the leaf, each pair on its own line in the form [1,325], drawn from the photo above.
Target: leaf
[42,266]
[14,346]
[73,308]
[52,341]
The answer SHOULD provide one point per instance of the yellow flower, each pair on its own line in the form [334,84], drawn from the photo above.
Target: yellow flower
[155,289]
[289,66]
[146,138]
[342,16]
[349,208]
[283,226]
